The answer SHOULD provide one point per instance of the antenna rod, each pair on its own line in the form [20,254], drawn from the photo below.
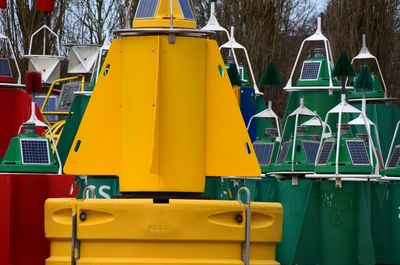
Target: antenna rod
[127,14]
[212,8]
[172,13]
[319,28]
[364,41]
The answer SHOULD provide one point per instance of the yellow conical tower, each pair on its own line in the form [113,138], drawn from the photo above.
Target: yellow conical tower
[170,119]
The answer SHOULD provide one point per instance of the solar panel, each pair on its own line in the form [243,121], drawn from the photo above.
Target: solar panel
[50,106]
[35,151]
[263,152]
[358,153]
[394,157]
[146,9]
[325,152]
[67,95]
[284,151]
[186,10]
[5,68]
[310,70]
[311,150]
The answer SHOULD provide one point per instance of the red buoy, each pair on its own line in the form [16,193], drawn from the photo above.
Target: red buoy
[45,5]
[33,82]
[3,3]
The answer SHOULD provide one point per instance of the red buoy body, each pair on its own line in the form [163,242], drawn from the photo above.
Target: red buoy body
[3,3]
[33,82]
[45,5]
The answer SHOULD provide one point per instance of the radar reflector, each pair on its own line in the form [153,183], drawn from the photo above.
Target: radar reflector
[48,62]
[263,152]
[82,59]
[394,157]
[49,67]
[357,151]
[310,70]
[35,151]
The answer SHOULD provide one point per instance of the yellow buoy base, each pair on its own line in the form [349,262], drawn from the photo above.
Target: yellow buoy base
[138,231]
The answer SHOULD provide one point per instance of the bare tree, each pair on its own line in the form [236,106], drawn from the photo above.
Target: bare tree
[268,29]
[21,19]
[88,21]
[346,21]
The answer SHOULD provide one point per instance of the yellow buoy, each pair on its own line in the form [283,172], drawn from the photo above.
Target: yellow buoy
[162,117]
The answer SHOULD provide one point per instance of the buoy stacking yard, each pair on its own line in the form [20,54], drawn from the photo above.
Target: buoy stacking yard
[165,117]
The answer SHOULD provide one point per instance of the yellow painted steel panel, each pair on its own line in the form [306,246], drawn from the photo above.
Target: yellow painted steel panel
[162,118]
[98,136]
[137,231]
[226,133]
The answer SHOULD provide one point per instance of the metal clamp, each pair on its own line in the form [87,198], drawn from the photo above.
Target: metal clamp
[75,244]
[246,243]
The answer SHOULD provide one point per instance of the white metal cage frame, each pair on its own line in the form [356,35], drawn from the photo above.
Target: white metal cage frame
[302,110]
[365,54]
[316,37]
[340,109]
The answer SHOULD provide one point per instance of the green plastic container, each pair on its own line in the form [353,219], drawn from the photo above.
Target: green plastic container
[385,209]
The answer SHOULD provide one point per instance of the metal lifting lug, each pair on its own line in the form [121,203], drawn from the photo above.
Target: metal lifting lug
[75,244]
[246,243]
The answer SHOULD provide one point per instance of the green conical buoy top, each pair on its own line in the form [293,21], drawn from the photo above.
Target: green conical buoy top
[364,80]
[234,75]
[343,67]
[271,76]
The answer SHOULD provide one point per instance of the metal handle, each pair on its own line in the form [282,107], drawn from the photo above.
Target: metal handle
[75,244]
[92,193]
[246,243]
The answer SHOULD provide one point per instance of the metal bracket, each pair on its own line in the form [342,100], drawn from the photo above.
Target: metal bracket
[246,243]
[295,180]
[338,183]
[75,244]
[171,38]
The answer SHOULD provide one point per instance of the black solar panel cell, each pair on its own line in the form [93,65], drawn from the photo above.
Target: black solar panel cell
[358,153]
[263,152]
[325,152]
[394,157]
[5,68]
[284,151]
[146,9]
[310,70]
[35,151]
[311,150]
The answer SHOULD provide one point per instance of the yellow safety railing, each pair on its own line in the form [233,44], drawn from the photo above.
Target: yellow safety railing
[58,113]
